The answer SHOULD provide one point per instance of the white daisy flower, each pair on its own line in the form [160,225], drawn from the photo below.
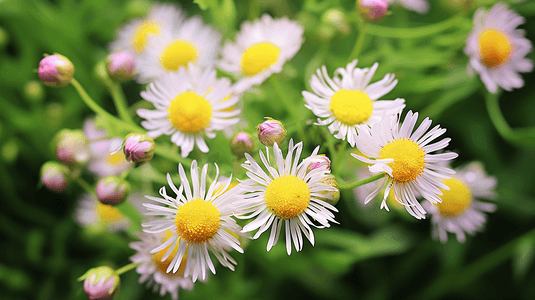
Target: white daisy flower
[348,103]
[497,49]
[93,214]
[200,221]
[419,6]
[190,104]
[153,269]
[104,158]
[261,49]
[460,211]
[362,192]
[133,36]
[404,157]
[286,195]
[190,42]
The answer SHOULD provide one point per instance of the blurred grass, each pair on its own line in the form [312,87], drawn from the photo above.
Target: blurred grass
[387,256]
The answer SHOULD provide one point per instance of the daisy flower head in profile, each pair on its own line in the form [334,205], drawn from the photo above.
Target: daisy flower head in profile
[497,49]
[191,41]
[405,159]
[348,103]
[153,269]
[133,36]
[200,220]
[92,214]
[190,104]
[262,47]
[460,212]
[419,6]
[286,194]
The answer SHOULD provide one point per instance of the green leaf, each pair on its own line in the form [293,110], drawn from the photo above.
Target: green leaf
[523,257]
[205,4]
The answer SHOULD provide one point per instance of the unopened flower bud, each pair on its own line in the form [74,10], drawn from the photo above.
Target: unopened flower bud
[112,190]
[56,70]
[271,132]
[71,147]
[241,143]
[120,66]
[55,176]
[101,283]
[333,196]
[138,148]
[336,19]
[319,161]
[372,10]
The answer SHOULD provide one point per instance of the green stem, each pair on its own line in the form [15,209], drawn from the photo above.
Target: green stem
[339,156]
[416,32]
[100,111]
[120,102]
[290,106]
[86,186]
[496,115]
[171,155]
[360,41]
[126,268]
[254,10]
[345,186]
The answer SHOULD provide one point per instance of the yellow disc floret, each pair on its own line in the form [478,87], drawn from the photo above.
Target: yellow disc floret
[143,31]
[287,196]
[190,112]
[351,107]
[408,159]
[494,47]
[108,213]
[178,53]
[197,221]
[116,159]
[259,57]
[455,200]
[163,265]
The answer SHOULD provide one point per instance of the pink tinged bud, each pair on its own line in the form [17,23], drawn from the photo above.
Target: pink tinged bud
[55,176]
[372,10]
[121,66]
[319,161]
[138,148]
[271,132]
[101,283]
[112,190]
[71,147]
[56,70]
[330,196]
[241,143]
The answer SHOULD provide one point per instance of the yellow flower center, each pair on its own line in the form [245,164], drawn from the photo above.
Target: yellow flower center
[178,53]
[287,196]
[190,112]
[259,57]
[197,221]
[116,159]
[108,213]
[455,200]
[142,33]
[494,47]
[408,159]
[351,107]
[163,265]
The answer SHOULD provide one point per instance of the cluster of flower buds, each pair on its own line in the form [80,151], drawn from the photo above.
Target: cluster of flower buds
[138,148]
[241,143]
[372,10]
[55,70]
[71,147]
[271,132]
[55,176]
[112,190]
[121,66]
[101,283]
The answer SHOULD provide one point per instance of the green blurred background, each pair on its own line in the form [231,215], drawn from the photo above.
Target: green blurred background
[372,254]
